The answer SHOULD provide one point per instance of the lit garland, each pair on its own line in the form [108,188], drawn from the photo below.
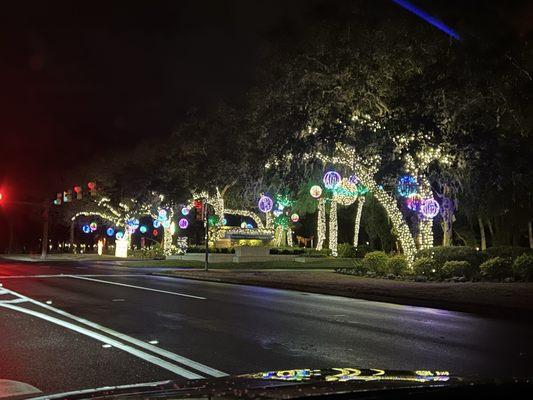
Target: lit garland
[348,157]
[360,203]
[321,224]
[289,237]
[333,228]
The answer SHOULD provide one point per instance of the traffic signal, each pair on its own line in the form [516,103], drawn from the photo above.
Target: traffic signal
[59,199]
[77,190]
[92,188]
[67,196]
[199,207]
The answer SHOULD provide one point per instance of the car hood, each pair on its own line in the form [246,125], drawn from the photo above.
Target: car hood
[282,384]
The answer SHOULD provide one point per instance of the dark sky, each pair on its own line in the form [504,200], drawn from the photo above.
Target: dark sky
[76,78]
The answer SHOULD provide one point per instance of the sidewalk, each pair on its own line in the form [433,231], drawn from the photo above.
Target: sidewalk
[507,300]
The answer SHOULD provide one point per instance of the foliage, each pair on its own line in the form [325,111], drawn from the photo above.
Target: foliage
[155,251]
[317,253]
[426,266]
[523,267]
[376,262]
[456,269]
[287,250]
[346,250]
[497,268]
[441,254]
[397,265]
[511,252]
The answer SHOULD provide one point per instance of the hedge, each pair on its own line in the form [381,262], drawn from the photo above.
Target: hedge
[441,254]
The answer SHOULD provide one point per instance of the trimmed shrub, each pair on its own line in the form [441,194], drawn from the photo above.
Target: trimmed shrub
[511,252]
[426,266]
[155,251]
[497,268]
[346,250]
[397,265]
[316,253]
[376,261]
[441,254]
[456,268]
[361,250]
[523,267]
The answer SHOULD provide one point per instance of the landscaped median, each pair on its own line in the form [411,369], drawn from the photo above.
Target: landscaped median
[489,298]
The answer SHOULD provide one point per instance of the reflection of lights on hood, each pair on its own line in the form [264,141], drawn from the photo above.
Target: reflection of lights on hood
[352,374]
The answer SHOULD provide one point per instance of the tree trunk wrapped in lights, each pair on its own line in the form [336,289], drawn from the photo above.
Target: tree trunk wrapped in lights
[360,203]
[321,225]
[333,228]
[289,237]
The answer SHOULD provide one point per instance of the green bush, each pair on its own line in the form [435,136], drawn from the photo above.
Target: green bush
[456,268]
[155,251]
[357,267]
[441,254]
[426,266]
[397,265]
[361,250]
[497,268]
[523,267]
[346,250]
[376,261]
[287,250]
[511,252]
[316,253]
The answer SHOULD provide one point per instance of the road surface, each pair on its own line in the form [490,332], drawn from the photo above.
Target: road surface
[75,326]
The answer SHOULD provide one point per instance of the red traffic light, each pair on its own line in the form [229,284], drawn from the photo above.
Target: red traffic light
[77,189]
[91,185]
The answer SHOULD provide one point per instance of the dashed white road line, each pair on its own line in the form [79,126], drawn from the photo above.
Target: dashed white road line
[104,339]
[135,287]
[154,349]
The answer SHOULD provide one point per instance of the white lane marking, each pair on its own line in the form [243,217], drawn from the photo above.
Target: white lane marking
[13,301]
[61,276]
[128,349]
[104,388]
[154,349]
[136,287]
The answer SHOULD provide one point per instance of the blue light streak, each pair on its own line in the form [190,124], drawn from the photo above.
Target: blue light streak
[428,18]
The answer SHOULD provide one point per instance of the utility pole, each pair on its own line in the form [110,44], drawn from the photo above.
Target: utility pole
[44,243]
[206,224]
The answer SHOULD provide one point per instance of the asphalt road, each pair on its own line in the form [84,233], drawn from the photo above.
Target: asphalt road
[77,326]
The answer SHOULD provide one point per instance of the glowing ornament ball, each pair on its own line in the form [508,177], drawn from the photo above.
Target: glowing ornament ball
[157,223]
[110,231]
[265,204]
[93,226]
[143,229]
[119,235]
[315,191]
[86,229]
[249,226]
[406,185]
[183,223]
[185,211]
[243,225]
[166,224]
[429,208]
[414,202]
[331,179]
[295,217]
[155,232]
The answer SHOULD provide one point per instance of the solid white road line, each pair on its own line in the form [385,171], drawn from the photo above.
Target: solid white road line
[104,388]
[60,276]
[14,301]
[157,350]
[136,287]
[115,343]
